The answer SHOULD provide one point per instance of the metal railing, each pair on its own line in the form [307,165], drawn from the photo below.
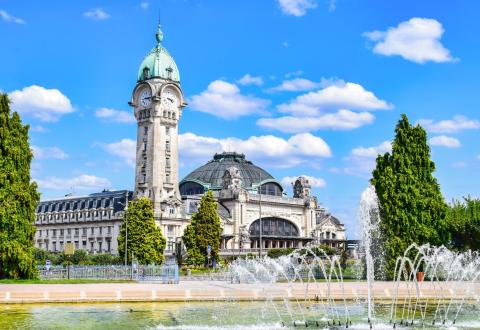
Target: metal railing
[163,273]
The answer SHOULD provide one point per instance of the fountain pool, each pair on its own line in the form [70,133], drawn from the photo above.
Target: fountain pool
[192,315]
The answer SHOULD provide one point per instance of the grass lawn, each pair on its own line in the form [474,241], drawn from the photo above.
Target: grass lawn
[60,281]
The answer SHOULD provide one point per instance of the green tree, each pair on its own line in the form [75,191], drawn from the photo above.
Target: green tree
[205,229]
[412,208]
[145,239]
[463,220]
[18,197]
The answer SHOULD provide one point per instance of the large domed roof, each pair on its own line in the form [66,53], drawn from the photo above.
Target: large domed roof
[158,63]
[210,175]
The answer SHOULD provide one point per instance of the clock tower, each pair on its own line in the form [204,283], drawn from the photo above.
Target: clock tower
[158,100]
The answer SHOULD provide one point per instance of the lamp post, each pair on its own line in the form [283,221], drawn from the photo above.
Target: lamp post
[260,221]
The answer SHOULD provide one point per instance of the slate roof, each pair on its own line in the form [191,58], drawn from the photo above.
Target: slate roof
[104,199]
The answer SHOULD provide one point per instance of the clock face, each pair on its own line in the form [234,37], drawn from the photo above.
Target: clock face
[169,99]
[145,97]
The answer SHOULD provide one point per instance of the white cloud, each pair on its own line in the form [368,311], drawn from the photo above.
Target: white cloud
[417,40]
[250,80]
[302,84]
[361,160]
[11,19]
[81,182]
[48,152]
[457,124]
[97,14]
[115,115]
[314,182]
[144,5]
[295,85]
[294,74]
[298,149]
[340,120]
[125,149]
[338,95]
[38,129]
[224,100]
[44,104]
[444,141]
[296,7]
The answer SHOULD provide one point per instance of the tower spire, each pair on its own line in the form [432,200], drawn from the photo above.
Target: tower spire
[159,34]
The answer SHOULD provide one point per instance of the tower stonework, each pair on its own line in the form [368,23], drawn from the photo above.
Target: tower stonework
[158,100]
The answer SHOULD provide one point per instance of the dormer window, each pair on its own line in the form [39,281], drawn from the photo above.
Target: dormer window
[146,73]
[169,72]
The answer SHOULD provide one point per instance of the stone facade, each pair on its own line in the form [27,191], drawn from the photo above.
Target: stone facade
[286,221]
[89,222]
[252,204]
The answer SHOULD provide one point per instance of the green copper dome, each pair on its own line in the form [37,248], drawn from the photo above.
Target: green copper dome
[158,63]
[210,175]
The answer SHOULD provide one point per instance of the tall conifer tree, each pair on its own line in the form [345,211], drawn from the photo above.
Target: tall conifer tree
[144,237]
[412,208]
[18,197]
[205,229]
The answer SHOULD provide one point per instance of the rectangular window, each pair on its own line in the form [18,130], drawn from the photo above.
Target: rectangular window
[108,246]
[170,244]
[167,162]
[109,229]
[84,231]
[91,246]
[167,145]
[92,230]
[170,229]
[99,246]
[100,230]
[145,130]
[69,231]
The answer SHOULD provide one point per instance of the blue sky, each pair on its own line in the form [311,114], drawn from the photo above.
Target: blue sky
[302,87]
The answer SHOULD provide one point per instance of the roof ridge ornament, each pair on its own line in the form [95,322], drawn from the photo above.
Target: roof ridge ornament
[159,34]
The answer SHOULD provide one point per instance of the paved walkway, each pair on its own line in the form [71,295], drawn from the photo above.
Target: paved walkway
[216,290]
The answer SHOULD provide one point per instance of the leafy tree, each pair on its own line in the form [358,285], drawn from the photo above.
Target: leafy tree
[79,257]
[412,209]
[205,229]
[194,257]
[145,239]
[463,220]
[18,197]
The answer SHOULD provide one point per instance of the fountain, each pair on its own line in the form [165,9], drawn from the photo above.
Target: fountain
[368,214]
[436,299]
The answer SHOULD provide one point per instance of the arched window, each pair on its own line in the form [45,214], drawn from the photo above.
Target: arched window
[271,188]
[191,188]
[274,227]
